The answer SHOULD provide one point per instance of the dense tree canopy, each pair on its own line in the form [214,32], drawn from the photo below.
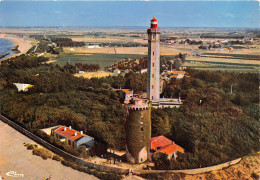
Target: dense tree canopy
[213,125]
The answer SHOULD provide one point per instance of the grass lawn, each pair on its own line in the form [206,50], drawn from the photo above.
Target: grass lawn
[232,56]
[230,70]
[102,59]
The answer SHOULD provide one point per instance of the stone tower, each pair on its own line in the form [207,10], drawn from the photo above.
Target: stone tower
[138,131]
[153,63]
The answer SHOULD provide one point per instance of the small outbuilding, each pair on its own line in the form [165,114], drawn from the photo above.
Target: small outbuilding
[161,144]
[171,150]
[117,71]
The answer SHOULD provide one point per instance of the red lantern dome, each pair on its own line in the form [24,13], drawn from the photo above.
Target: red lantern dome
[154,24]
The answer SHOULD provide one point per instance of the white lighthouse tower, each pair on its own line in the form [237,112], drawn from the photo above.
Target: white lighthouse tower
[153,73]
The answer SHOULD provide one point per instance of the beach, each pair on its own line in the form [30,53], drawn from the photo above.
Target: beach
[23,43]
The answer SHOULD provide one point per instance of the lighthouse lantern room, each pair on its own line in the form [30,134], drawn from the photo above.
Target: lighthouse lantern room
[154,23]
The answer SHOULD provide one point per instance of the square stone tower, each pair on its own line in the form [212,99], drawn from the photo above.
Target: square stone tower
[153,70]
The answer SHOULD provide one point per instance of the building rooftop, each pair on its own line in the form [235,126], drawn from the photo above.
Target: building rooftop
[160,141]
[170,149]
[69,133]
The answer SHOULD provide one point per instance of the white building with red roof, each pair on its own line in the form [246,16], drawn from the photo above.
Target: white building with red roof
[161,144]
[72,137]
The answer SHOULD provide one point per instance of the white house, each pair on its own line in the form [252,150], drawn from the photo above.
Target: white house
[23,87]
[117,71]
[72,137]
[93,46]
[143,71]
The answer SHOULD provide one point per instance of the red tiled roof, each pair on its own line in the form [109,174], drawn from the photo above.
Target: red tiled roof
[170,149]
[69,133]
[160,141]
[178,72]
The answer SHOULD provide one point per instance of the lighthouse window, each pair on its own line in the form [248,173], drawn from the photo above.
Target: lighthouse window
[152,86]
[153,64]
[153,52]
[142,129]
[153,75]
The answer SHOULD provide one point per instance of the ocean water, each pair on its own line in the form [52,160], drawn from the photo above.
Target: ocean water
[5,47]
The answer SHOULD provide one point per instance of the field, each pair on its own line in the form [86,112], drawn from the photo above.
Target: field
[102,59]
[98,74]
[109,39]
[226,60]
[164,50]
[105,56]
[242,59]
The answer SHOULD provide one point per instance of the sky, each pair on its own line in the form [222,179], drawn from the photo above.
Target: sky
[130,13]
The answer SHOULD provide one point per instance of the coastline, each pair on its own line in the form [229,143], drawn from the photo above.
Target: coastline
[23,43]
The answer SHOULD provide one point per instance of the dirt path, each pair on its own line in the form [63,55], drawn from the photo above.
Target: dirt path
[15,157]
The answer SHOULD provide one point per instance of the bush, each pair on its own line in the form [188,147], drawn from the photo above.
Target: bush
[44,153]
[255,175]
[66,163]
[30,146]
[57,158]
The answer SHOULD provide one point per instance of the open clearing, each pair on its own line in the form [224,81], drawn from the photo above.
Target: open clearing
[97,74]
[109,39]
[102,60]
[106,56]
[224,60]
[164,50]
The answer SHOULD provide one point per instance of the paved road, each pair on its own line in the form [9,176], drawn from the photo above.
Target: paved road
[16,160]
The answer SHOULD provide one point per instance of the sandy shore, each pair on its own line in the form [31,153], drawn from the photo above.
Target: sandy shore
[24,44]
[15,157]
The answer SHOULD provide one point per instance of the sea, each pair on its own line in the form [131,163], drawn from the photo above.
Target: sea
[5,48]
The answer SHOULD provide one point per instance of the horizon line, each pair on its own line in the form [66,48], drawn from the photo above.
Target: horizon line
[133,27]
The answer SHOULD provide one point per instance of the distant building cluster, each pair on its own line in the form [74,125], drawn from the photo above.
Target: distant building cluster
[168,75]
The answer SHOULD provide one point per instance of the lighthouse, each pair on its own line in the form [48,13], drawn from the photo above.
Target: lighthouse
[153,63]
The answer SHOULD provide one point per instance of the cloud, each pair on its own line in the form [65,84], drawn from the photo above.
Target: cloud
[229,15]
